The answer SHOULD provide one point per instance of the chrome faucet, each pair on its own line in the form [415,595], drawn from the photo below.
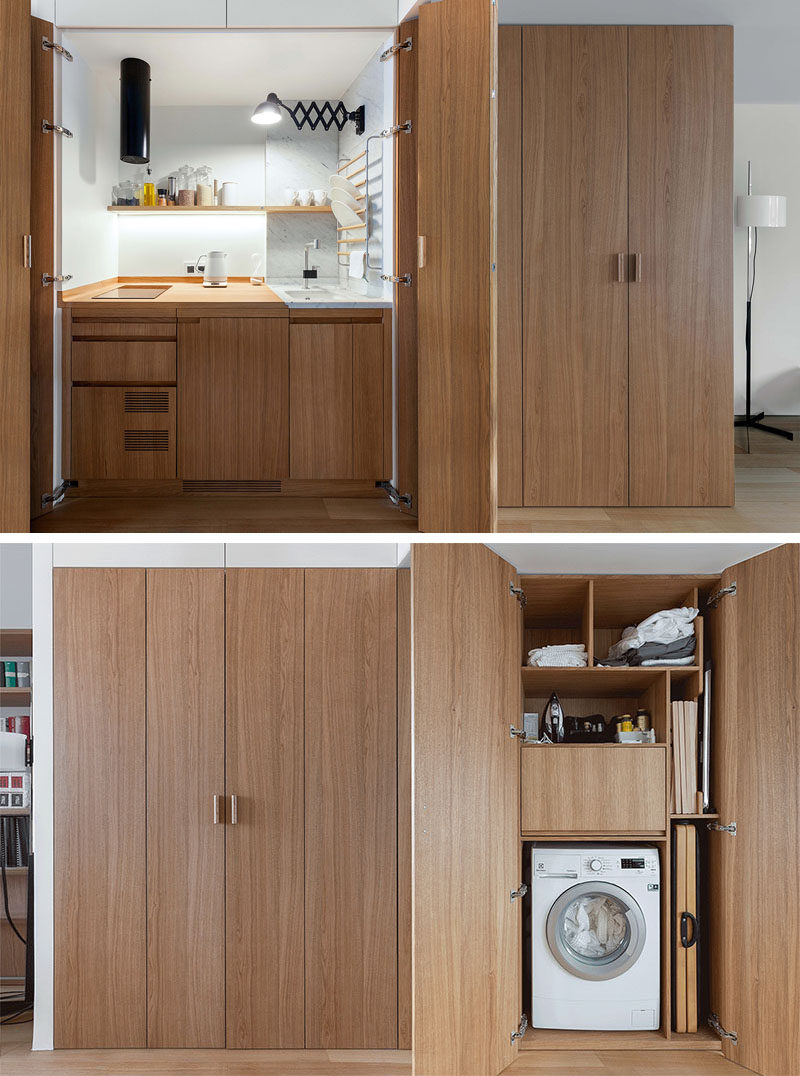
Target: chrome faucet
[309,272]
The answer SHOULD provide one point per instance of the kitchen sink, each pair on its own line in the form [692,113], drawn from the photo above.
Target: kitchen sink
[313,294]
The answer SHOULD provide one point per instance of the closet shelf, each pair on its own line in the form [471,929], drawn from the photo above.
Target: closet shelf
[551,1039]
[596,682]
[219,209]
[15,696]
[693,817]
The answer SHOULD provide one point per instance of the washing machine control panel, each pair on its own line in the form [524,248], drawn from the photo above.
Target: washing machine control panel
[596,863]
[618,865]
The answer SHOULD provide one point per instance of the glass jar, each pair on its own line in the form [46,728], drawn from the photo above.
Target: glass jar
[204,185]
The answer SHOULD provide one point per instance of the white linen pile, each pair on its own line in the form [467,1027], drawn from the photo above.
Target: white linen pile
[665,638]
[567,656]
[595,926]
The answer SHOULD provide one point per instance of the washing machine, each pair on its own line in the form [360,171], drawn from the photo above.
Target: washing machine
[596,938]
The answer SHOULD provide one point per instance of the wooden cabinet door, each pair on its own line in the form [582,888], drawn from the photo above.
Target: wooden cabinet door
[456,170]
[233,398]
[264,772]
[99,840]
[185,770]
[467,647]
[321,392]
[575,236]
[351,809]
[755,875]
[681,320]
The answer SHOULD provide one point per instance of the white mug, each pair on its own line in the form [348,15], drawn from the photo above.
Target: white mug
[291,195]
[304,197]
[228,193]
[320,197]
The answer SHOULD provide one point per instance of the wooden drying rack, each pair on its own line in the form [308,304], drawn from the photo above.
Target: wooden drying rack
[358,178]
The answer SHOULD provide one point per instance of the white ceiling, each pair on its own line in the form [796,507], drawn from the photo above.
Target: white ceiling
[229,67]
[627,558]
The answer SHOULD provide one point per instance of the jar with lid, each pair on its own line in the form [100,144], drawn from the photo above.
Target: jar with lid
[204,187]
[186,185]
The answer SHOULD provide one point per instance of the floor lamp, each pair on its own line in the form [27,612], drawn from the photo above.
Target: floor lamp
[754,211]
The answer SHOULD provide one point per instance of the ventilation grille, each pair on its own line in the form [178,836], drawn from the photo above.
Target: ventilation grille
[146,401]
[147,440]
[198,485]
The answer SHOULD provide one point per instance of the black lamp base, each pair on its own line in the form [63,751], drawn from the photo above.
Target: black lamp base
[753,422]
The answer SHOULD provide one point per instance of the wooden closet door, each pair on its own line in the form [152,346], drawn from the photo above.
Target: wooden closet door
[681,316]
[264,771]
[467,649]
[755,875]
[575,236]
[99,920]
[351,809]
[185,770]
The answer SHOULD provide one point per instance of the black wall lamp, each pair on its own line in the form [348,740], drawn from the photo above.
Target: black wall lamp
[311,115]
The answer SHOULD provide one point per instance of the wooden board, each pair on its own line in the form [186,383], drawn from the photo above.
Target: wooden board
[406,67]
[43,300]
[264,997]
[15,195]
[99,841]
[575,228]
[321,401]
[466,793]
[367,394]
[679,971]
[586,788]
[351,809]
[755,980]
[404,812]
[456,294]
[124,360]
[185,769]
[233,404]
[681,318]
[509,266]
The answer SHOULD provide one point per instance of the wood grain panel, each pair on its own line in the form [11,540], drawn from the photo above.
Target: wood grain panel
[100,874]
[124,361]
[466,795]
[509,266]
[681,319]
[43,299]
[367,391]
[584,789]
[185,769]
[15,194]
[233,374]
[404,811]
[574,223]
[264,770]
[321,401]
[129,329]
[406,69]
[755,984]
[105,436]
[456,296]
[351,809]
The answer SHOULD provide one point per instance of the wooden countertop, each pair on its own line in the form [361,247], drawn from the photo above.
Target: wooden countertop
[184,297]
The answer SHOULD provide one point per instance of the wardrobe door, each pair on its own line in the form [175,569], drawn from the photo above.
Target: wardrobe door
[466,654]
[99,918]
[681,292]
[351,809]
[264,782]
[185,836]
[755,875]
[575,236]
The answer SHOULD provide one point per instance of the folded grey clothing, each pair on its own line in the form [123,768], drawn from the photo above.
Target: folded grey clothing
[654,653]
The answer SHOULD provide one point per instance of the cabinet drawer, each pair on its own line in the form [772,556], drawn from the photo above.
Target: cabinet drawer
[123,433]
[131,330]
[124,360]
[591,789]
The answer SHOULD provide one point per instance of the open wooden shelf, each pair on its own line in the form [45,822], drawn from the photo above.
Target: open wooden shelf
[693,817]
[550,1039]
[597,682]
[15,696]
[219,209]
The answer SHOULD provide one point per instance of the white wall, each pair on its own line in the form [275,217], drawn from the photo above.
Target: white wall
[769,135]
[16,575]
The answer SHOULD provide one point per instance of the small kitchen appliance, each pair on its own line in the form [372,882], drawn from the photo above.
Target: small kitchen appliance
[214,267]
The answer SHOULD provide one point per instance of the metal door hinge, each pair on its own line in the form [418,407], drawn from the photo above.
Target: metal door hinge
[520,1032]
[402,46]
[713,1022]
[56,128]
[519,733]
[723,829]
[58,494]
[56,48]
[405,279]
[27,251]
[404,499]
[48,280]
[523,889]
[518,593]
[717,597]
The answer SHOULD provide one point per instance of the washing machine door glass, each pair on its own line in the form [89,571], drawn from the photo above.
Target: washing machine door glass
[596,930]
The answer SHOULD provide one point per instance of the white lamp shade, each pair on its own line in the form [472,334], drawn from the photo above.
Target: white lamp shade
[761,211]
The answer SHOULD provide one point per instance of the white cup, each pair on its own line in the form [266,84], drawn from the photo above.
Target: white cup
[304,197]
[320,197]
[291,195]
[229,193]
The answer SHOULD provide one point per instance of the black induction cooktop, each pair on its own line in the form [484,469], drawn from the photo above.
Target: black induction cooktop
[134,291]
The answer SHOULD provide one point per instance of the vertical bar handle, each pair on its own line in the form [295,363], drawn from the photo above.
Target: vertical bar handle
[621,268]
[637,268]
[27,251]
[421,251]
[216,810]
[234,810]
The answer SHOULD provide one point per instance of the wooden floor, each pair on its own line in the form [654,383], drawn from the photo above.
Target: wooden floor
[767,498]
[623,1063]
[16,1059]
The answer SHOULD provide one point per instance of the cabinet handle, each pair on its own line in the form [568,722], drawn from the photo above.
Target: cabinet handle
[216,810]
[620,268]
[234,810]
[637,268]
[421,251]
[27,251]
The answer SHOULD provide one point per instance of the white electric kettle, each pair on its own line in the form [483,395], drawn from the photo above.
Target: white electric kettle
[215,272]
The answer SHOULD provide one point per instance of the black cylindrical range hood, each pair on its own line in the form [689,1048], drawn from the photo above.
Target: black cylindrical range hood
[134,111]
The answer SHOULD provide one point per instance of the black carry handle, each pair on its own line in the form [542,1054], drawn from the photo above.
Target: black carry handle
[685,916]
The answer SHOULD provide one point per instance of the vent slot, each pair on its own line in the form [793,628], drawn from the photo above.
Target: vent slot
[146,402]
[147,440]
[199,485]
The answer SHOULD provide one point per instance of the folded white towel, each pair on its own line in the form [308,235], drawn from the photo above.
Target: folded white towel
[662,627]
[566,656]
[358,264]
[669,661]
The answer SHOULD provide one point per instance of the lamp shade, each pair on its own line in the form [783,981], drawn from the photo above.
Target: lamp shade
[268,111]
[761,211]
